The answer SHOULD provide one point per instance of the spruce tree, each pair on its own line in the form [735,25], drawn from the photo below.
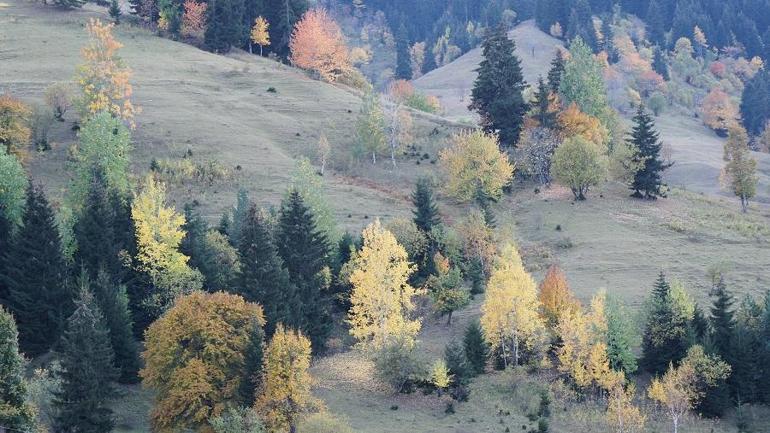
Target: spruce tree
[665,332]
[647,182]
[580,24]
[282,16]
[475,349]
[16,413]
[454,356]
[556,72]
[253,361]
[425,209]
[262,278]
[115,12]
[193,244]
[94,231]
[403,60]
[305,253]
[5,248]
[497,92]
[755,103]
[112,300]
[659,64]
[722,319]
[544,115]
[224,25]
[36,277]
[87,372]
[656,32]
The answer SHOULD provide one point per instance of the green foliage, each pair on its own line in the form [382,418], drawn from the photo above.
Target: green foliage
[497,92]
[13,184]
[115,12]
[556,72]
[621,337]
[476,349]
[240,420]
[323,422]
[582,81]
[668,315]
[70,3]
[224,27]
[87,370]
[16,413]
[425,210]
[647,182]
[310,185]
[578,164]
[457,364]
[397,365]
[370,128]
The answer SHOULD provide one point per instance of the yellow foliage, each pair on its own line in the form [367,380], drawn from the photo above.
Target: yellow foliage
[286,381]
[259,33]
[103,78]
[194,382]
[439,375]
[14,126]
[622,415]
[510,314]
[574,122]
[555,295]
[381,299]
[473,160]
[317,44]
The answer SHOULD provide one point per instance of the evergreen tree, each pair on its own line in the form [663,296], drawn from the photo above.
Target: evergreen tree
[620,338]
[544,115]
[94,231]
[755,103]
[656,31]
[87,373]
[556,72]
[282,16]
[659,64]
[608,45]
[113,302]
[253,360]
[240,211]
[475,349]
[16,413]
[647,182]
[262,278]
[5,248]
[403,60]
[430,59]
[722,321]
[581,25]
[305,253]
[454,356]
[497,92]
[482,200]
[224,27]
[425,209]
[665,333]
[193,244]
[115,12]
[36,277]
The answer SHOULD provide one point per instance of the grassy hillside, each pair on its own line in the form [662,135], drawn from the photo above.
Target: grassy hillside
[220,108]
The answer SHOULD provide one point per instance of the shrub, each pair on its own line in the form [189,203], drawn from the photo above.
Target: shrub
[397,365]
[58,96]
[41,122]
[657,103]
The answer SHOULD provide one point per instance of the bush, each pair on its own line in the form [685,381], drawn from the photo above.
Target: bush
[397,365]
[242,420]
[657,103]
[41,122]
[58,96]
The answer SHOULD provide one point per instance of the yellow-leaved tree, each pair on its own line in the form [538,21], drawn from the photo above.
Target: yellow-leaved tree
[103,76]
[622,415]
[196,358]
[158,235]
[382,299]
[510,316]
[317,44]
[15,132]
[259,33]
[473,162]
[285,394]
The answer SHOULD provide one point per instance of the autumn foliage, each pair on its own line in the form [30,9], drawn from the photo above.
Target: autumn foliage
[103,78]
[555,295]
[194,19]
[719,112]
[317,44]
[14,130]
[195,358]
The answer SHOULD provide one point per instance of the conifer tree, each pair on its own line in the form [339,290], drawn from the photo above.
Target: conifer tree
[115,12]
[556,72]
[263,278]
[282,16]
[16,413]
[36,277]
[664,340]
[755,103]
[224,27]
[5,248]
[305,253]
[454,356]
[476,349]
[253,361]
[655,24]
[403,61]
[425,210]
[659,64]
[94,231]
[87,370]
[620,338]
[497,92]
[542,105]
[580,24]
[239,212]
[193,244]
[647,182]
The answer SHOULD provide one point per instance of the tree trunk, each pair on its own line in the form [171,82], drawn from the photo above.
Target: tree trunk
[449,320]
[515,349]
[744,204]
[260,51]
[250,48]
[374,158]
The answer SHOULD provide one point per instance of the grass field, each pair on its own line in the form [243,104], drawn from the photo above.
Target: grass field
[220,109]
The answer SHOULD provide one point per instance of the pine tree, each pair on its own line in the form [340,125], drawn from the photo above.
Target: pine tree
[647,182]
[263,279]
[544,114]
[556,72]
[497,92]
[665,333]
[403,61]
[193,244]
[305,253]
[722,321]
[113,302]
[87,371]
[580,24]
[476,349]
[36,277]
[755,103]
[253,360]
[240,211]
[16,413]
[425,209]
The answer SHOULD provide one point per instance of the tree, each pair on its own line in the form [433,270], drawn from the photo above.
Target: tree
[581,25]
[659,64]
[573,122]
[260,34]
[425,210]
[656,31]
[15,133]
[225,27]
[382,299]
[14,183]
[544,106]
[440,377]
[263,278]
[509,315]
[668,314]
[39,296]
[538,146]
[305,253]
[283,15]
[478,241]
[403,60]
[555,296]
[556,72]
[16,413]
[317,44]
[286,381]
[196,382]
[70,3]
[719,112]
[158,236]
[324,150]
[456,363]
[115,12]
[578,164]
[370,127]
[87,370]
[399,129]
[582,81]
[622,415]
[740,170]
[240,420]
[310,185]
[103,76]
[473,162]
[194,19]
[644,141]
[621,336]
[445,288]
[476,349]
[755,103]
[497,92]
[681,388]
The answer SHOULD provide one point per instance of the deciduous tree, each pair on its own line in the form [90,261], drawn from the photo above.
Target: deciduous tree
[719,112]
[473,161]
[15,132]
[740,170]
[317,44]
[370,127]
[260,34]
[194,19]
[555,296]
[579,165]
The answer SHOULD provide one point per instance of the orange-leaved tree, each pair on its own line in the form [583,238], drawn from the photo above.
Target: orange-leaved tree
[556,296]
[317,44]
[103,77]
[198,357]
[194,19]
